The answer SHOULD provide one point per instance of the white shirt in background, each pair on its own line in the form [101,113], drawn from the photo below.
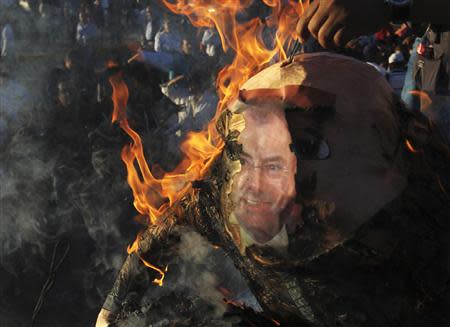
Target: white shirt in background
[396,79]
[167,42]
[6,41]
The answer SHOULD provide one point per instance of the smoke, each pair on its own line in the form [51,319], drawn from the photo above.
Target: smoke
[24,193]
[199,274]
[46,196]
[199,281]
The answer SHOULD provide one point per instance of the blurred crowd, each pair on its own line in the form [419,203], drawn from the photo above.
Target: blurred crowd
[167,58]
[168,65]
[390,51]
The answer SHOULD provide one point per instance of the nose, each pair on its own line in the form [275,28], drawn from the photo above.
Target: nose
[254,179]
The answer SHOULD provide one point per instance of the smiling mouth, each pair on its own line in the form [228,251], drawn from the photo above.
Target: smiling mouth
[249,201]
[255,204]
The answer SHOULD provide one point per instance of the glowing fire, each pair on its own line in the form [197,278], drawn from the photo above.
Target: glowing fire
[410,147]
[245,39]
[157,281]
[152,196]
[424,97]
[276,322]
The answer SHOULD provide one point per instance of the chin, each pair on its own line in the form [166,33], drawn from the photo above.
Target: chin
[263,236]
[262,224]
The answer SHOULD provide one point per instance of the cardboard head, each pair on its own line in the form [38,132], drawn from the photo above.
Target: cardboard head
[333,118]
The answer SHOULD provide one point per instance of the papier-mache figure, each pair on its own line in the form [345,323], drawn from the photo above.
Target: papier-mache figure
[331,200]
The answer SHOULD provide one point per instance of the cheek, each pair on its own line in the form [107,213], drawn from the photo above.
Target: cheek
[282,191]
[277,188]
[237,187]
[238,182]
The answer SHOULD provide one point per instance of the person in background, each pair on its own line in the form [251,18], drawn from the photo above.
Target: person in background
[69,22]
[197,99]
[396,73]
[86,30]
[98,15]
[148,28]
[189,59]
[210,43]
[167,40]
[46,22]
[105,6]
[373,57]
[412,102]
[70,70]
[7,53]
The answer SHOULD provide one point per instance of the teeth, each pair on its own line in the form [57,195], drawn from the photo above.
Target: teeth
[252,202]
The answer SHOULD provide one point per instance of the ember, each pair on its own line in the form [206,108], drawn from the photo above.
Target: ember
[410,147]
[424,97]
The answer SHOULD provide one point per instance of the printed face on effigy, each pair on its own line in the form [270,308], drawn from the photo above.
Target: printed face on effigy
[264,190]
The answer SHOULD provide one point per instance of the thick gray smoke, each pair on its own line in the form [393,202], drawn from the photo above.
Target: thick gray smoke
[199,279]
[44,199]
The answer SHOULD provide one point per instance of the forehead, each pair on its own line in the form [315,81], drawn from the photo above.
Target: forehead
[267,119]
[266,132]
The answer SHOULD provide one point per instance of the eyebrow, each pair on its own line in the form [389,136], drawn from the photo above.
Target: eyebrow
[279,159]
[275,158]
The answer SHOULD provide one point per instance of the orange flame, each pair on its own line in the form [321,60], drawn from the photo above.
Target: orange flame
[277,323]
[410,147]
[111,64]
[152,196]
[424,97]
[245,39]
[134,248]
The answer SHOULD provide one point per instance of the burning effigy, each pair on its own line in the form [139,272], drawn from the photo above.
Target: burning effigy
[329,197]
[317,198]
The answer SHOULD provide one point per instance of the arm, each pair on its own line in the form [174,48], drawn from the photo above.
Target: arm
[4,44]
[148,31]
[336,22]
[7,40]
[157,42]
[79,33]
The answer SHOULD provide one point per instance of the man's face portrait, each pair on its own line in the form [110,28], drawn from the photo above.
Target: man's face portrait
[264,190]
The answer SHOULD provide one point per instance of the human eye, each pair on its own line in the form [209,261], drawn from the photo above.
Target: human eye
[273,167]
